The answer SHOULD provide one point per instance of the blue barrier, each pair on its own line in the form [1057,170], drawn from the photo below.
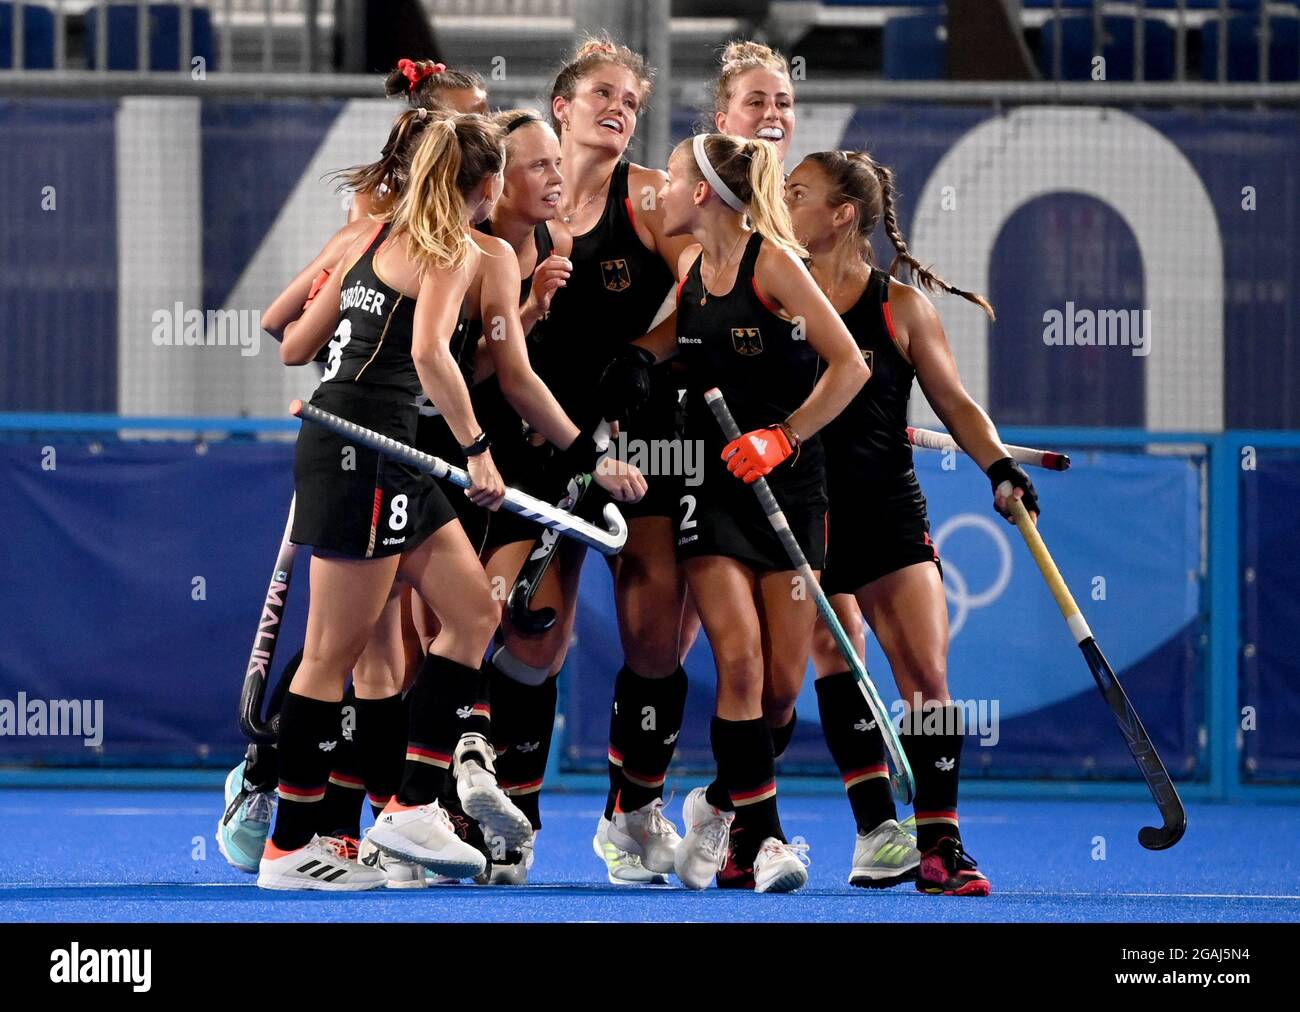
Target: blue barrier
[118,600]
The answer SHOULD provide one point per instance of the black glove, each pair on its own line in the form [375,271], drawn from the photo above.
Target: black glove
[580,456]
[624,386]
[1007,469]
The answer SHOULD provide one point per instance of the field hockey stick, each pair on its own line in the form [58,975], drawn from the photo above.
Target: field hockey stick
[1130,724]
[901,779]
[519,603]
[608,541]
[928,439]
[269,625]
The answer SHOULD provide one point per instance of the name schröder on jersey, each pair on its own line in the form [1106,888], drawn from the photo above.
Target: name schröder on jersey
[358,296]
[75,965]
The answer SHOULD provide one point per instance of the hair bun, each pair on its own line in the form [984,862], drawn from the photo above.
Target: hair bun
[600,45]
[745,51]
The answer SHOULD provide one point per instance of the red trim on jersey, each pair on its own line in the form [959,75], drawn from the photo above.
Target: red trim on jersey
[889,320]
[369,242]
[627,205]
[753,283]
[680,285]
[374,520]
[889,325]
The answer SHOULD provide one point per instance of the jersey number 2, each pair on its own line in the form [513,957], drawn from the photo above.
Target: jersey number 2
[687,523]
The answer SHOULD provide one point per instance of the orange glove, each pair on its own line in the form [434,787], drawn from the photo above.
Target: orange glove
[756,453]
[317,284]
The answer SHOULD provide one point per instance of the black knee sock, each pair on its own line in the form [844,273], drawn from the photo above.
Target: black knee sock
[260,768]
[345,792]
[381,747]
[444,704]
[651,713]
[781,735]
[746,767]
[716,792]
[305,726]
[933,741]
[523,717]
[857,747]
[282,684]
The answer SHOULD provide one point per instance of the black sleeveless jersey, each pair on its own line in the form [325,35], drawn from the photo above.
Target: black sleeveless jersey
[763,366]
[870,435]
[545,246]
[372,344]
[611,298]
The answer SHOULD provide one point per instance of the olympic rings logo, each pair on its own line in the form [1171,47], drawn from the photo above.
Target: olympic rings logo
[955,587]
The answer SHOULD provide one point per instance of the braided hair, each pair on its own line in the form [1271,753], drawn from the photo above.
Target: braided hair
[862,181]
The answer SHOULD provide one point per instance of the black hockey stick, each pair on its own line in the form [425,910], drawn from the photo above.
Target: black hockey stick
[519,604]
[269,624]
[1130,724]
[608,540]
[902,781]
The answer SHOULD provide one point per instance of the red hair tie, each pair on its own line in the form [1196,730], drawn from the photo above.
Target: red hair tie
[414,73]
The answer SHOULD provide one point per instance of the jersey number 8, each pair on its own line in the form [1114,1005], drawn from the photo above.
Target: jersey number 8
[341,337]
[397,518]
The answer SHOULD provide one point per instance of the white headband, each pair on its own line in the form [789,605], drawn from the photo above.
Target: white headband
[712,178]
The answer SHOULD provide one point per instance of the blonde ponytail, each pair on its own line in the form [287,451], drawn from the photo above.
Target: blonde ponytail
[751,170]
[767,207]
[454,156]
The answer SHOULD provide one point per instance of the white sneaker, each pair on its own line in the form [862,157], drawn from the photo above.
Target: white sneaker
[648,833]
[323,864]
[884,857]
[425,836]
[400,874]
[482,798]
[514,874]
[621,868]
[780,867]
[708,830]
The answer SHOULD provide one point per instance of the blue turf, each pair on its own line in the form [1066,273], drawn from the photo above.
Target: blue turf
[131,855]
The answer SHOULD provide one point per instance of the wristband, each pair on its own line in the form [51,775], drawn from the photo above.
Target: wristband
[480,445]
